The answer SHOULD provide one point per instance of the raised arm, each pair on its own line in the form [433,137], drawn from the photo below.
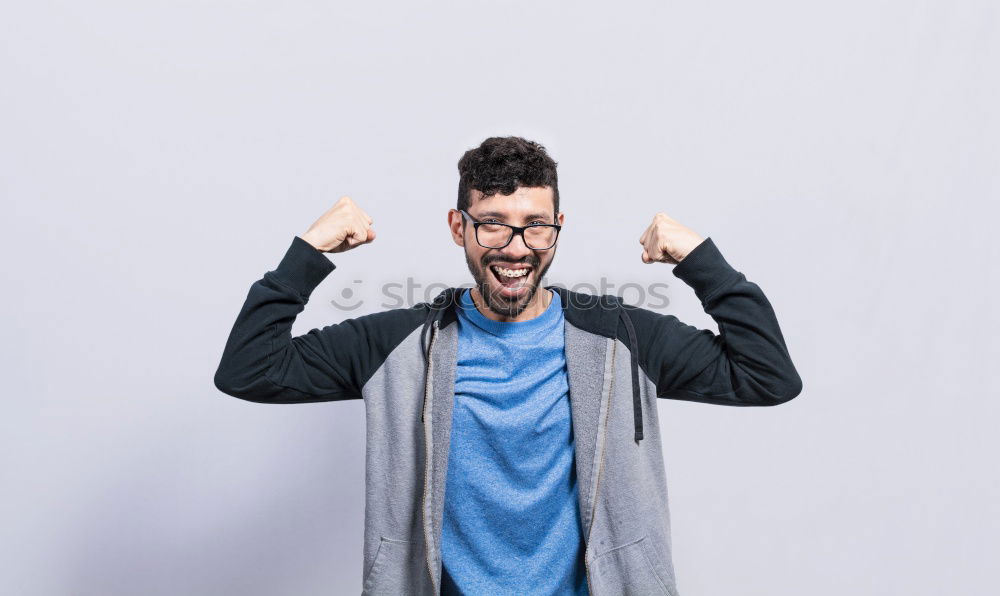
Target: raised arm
[745,364]
[262,362]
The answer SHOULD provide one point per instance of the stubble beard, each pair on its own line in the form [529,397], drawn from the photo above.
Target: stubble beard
[496,302]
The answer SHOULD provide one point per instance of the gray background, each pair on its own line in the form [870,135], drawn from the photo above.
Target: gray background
[158,157]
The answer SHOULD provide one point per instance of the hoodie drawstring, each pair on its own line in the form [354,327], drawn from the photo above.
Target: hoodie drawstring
[434,313]
[634,357]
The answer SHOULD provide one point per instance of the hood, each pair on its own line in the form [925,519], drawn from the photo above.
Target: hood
[599,314]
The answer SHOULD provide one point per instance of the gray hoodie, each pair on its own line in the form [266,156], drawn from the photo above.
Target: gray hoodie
[619,359]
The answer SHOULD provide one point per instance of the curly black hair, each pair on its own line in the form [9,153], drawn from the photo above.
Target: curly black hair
[502,164]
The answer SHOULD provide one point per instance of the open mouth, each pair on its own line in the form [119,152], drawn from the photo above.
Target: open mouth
[513,281]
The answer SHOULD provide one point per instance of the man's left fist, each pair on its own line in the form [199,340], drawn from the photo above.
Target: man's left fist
[667,241]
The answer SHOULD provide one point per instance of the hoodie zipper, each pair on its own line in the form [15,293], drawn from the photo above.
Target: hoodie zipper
[600,468]
[428,453]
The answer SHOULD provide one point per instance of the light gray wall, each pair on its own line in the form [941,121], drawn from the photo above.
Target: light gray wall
[157,157]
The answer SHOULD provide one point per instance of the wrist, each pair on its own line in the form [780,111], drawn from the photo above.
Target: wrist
[311,241]
[693,246]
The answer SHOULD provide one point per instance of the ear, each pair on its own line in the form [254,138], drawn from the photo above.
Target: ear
[559,218]
[455,221]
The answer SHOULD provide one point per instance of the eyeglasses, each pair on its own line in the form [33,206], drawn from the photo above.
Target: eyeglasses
[490,234]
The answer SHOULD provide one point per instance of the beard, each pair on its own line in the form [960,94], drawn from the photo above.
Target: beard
[494,299]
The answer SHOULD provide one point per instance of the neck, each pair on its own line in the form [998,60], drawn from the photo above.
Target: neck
[539,302]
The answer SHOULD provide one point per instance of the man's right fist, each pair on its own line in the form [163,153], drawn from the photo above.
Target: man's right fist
[343,227]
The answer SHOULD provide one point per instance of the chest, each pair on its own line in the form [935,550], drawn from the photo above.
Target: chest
[527,362]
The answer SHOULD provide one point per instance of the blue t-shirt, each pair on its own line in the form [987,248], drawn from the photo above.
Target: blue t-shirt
[511,515]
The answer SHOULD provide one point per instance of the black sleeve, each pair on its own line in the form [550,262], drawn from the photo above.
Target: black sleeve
[746,364]
[262,362]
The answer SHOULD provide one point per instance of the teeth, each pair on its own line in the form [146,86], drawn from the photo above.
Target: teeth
[511,272]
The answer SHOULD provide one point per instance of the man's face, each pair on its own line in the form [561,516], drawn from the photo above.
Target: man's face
[506,294]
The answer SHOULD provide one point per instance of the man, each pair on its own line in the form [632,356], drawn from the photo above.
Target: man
[512,436]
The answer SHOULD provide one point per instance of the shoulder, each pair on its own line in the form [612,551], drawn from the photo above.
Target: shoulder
[603,314]
[403,320]
[596,313]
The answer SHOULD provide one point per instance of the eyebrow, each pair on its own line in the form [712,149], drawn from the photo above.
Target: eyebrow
[498,215]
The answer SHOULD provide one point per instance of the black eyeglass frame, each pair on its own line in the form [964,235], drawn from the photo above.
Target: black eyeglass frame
[515,231]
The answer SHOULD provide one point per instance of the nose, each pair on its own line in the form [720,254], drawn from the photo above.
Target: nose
[516,249]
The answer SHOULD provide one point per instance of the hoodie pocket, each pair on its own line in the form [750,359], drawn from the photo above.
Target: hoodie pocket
[387,575]
[628,570]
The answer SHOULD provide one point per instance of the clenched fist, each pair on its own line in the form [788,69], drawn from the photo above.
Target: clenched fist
[667,241]
[343,227]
